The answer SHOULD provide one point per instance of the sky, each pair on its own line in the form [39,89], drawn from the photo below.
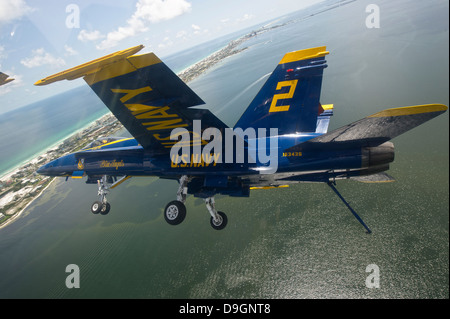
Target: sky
[40,38]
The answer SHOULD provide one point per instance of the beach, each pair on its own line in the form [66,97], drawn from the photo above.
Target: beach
[22,185]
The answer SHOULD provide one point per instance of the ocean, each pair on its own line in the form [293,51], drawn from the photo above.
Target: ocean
[300,242]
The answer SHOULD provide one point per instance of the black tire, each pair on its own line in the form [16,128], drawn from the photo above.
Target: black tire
[221,224]
[96,207]
[105,209]
[175,212]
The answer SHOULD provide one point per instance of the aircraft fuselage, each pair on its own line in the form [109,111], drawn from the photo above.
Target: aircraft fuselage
[126,157]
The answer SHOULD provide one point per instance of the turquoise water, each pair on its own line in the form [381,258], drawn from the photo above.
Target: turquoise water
[299,242]
[32,129]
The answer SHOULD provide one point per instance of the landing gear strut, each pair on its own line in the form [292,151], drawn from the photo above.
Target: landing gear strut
[101,206]
[175,211]
[104,185]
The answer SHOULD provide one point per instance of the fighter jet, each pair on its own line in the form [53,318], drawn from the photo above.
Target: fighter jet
[281,138]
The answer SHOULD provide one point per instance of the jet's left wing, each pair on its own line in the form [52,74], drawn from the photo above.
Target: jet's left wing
[144,94]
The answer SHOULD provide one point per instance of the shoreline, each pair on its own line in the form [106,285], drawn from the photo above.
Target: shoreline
[17,215]
[54,146]
[20,186]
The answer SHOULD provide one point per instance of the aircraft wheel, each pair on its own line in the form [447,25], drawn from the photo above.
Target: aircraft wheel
[105,209]
[175,212]
[223,220]
[96,207]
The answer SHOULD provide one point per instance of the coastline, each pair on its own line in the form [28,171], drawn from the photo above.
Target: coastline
[54,146]
[20,186]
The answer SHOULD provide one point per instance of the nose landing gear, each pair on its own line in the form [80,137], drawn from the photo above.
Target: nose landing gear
[101,206]
[104,185]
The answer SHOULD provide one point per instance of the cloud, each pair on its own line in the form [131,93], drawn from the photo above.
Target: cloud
[166,43]
[69,50]
[181,34]
[147,11]
[85,35]
[246,17]
[159,10]
[40,57]
[12,10]
[196,29]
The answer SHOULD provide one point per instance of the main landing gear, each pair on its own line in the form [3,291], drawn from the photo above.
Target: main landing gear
[175,211]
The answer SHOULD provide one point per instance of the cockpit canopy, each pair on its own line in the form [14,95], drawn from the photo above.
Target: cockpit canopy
[102,141]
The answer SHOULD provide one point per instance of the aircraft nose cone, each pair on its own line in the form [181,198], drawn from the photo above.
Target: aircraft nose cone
[44,169]
[40,170]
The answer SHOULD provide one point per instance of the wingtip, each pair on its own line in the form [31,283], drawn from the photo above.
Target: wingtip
[89,67]
[304,54]
[409,110]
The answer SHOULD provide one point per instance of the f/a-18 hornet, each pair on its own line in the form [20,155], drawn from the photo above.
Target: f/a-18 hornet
[280,139]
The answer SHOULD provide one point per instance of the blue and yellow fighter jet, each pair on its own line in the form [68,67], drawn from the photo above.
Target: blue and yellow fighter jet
[173,140]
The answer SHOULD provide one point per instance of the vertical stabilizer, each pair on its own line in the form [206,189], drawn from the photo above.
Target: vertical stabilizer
[289,100]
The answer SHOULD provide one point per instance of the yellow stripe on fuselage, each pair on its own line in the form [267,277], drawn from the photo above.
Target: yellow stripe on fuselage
[269,187]
[110,143]
[304,54]
[409,110]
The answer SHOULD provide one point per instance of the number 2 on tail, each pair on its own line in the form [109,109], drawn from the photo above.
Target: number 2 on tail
[283,96]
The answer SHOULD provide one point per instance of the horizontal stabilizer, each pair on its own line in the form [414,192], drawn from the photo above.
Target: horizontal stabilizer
[375,178]
[375,129]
